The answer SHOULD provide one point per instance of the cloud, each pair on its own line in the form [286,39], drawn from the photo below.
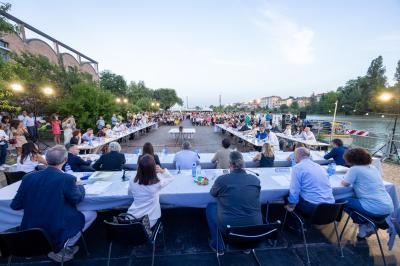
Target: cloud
[232,63]
[295,42]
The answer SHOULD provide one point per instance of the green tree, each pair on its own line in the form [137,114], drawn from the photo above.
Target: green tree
[167,98]
[284,108]
[113,83]
[5,25]
[294,106]
[137,91]
[397,73]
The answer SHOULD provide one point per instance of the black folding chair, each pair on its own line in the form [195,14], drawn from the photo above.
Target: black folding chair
[133,234]
[29,243]
[377,223]
[249,237]
[12,177]
[323,214]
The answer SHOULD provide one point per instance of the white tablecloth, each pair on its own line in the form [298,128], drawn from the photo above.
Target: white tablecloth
[116,136]
[205,159]
[110,191]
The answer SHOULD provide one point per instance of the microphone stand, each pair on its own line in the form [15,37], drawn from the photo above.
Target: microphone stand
[257,174]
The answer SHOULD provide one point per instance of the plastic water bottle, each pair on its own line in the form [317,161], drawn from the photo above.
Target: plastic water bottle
[194,170]
[198,170]
[293,161]
[68,168]
[90,142]
[331,169]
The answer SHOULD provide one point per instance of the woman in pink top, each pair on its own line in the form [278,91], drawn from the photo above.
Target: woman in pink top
[56,129]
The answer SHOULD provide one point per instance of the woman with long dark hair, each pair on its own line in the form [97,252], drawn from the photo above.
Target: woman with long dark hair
[148,149]
[145,189]
[30,158]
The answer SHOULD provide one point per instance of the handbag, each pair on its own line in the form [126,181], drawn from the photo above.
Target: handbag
[127,218]
[13,141]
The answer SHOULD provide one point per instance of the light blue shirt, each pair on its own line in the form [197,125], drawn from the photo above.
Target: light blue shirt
[86,137]
[369,189]
[185,159]
[311,182]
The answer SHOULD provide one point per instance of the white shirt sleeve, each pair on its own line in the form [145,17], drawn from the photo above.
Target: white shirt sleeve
[165,178]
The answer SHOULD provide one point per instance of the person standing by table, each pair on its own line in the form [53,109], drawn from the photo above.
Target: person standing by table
[100,123]
[68,125]
[18,130]
[272,139]
[288,130]
[309,185]
[238,201]
[337,152]
[145,189]
[221,157]
[3,146]
[114,120]
[30,126]
[56,129]
[49,199]
[266,157]
[371,197]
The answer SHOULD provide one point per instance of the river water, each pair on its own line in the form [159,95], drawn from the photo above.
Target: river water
[374,124]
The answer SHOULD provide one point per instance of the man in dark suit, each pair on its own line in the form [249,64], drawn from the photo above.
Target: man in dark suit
[49,198]
[111,161]
[77,163]
[238,201]
[337,152]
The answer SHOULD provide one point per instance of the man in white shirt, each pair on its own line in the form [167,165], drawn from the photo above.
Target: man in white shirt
[186,157]
[272,139]
[307,134]
[29,123]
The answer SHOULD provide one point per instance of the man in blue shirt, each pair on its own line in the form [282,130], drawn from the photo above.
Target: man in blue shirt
[309,185]
[186,157]
[88,136]
[337,152]
[49,198]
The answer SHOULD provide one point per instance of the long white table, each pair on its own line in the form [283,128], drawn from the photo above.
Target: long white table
[109,191]
[98,143]
[305,142]
[205,159]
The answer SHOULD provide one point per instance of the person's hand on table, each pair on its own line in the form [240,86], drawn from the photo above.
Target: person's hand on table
[79,182]
[290,207]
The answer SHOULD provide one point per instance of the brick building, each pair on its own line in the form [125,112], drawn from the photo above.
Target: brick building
[19,43]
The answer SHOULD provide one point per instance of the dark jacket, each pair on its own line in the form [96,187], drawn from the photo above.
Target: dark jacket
[74,140]
[267,161]
[337,155]
[238,199]
[76,163]
[112,161]
[156,159]
[49,198]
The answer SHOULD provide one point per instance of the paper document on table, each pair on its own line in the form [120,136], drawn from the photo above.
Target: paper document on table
[97,187]
[282,180]
[102,175]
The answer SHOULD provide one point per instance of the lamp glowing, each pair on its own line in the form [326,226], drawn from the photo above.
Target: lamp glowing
[17,87]
[384,97]
[118,100]
[48,91]
[125,100]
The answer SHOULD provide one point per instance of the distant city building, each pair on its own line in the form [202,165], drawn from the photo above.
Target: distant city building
[303,101]
[69,59]
[318,97]
[270,102]
[287,101]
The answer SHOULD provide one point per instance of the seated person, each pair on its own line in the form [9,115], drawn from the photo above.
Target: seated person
[76,163]
[307,134]
[244,127]
[261,134]
[108,131]
[275,128]
[148,149]
[49,199]
[309,186]
[266,157]
[145,189]
[292,157]
[238,200]
[337,152]
[288,130]
[371,197]
[272,139]
[111,161]
[102,132]
[88,136]
[76,137]
[30,158]
[254,130]
[221,157]
[185,158]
